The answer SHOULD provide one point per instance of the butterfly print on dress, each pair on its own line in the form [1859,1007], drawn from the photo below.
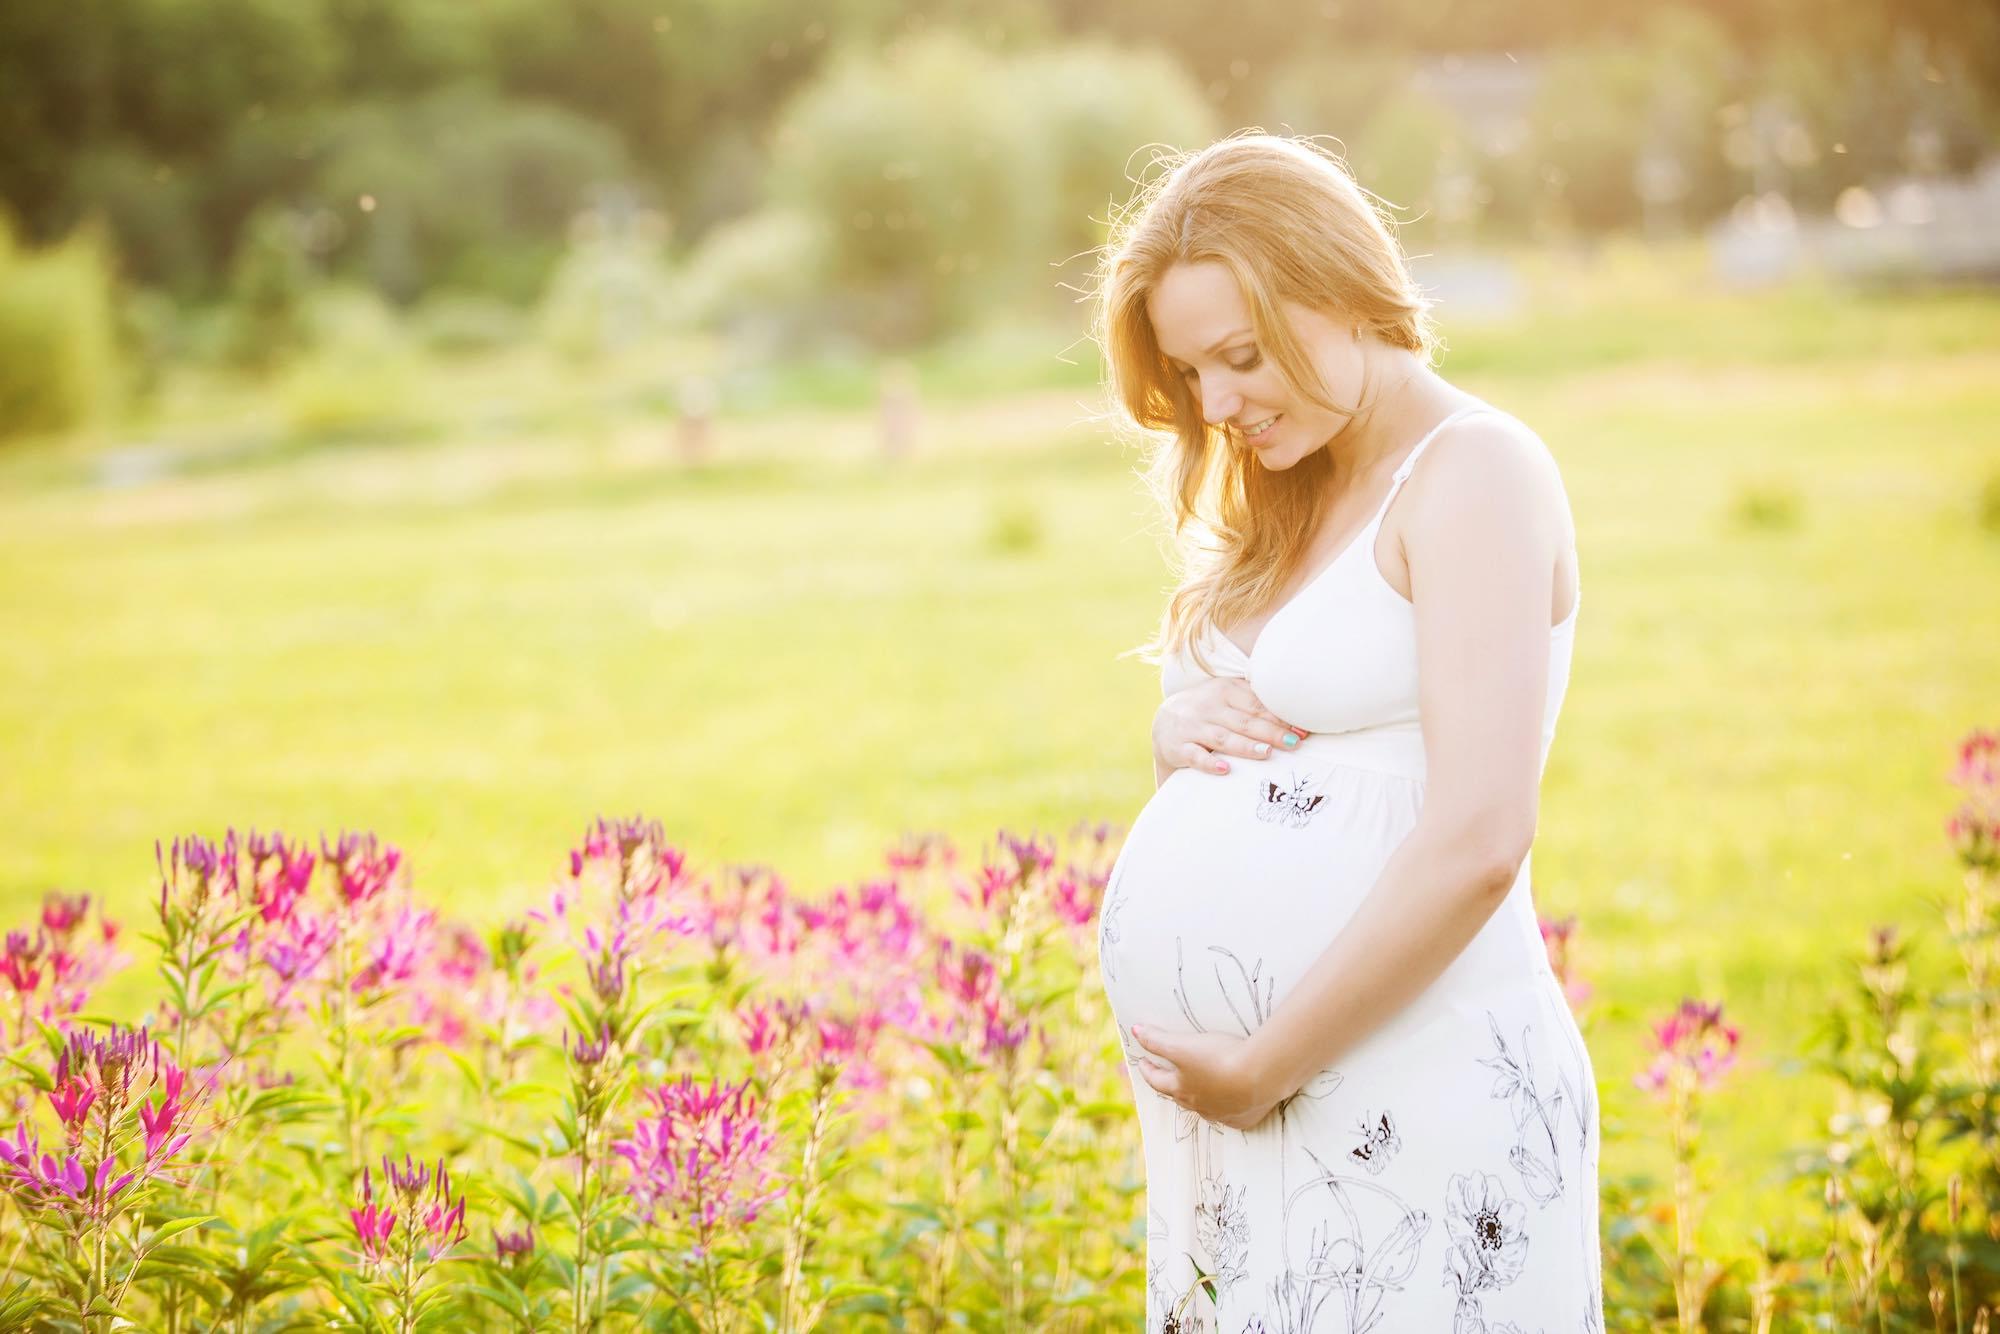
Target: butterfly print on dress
[1289,805]
[1379,1142]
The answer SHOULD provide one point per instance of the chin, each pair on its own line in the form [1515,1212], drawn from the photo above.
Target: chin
[1278,460]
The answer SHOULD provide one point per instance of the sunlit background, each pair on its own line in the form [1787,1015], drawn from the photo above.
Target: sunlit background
[460,420]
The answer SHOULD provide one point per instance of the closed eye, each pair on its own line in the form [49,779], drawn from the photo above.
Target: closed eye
[1256,360]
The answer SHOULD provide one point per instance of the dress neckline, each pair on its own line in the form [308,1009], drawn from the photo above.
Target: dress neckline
[1402,472]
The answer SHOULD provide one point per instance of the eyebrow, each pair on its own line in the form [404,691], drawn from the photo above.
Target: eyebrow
[1219,343]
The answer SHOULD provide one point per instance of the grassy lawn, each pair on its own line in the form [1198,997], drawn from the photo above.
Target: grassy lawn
[475,644]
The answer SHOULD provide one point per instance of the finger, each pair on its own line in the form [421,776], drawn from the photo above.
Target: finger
[1197,756]
[1255,735]
[1246,699]
[1154,1043]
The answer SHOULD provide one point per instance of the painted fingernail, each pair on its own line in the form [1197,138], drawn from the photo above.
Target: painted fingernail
[1263,748]
[1222,766]
[1290,741]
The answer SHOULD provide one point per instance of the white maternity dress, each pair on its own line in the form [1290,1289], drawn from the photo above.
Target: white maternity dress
[1439,1178]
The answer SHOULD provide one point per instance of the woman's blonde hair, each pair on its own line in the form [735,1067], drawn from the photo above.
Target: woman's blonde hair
[1289,221]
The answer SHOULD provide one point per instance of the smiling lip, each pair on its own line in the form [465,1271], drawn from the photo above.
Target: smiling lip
[1257,441]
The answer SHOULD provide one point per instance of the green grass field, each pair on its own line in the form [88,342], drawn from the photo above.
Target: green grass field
[476,643]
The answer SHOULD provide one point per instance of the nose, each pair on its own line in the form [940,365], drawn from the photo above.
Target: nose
[1219,402]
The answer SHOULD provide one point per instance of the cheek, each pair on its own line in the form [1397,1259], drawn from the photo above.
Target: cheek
[1341,373]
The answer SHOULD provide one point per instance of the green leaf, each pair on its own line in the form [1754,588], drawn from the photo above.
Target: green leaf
[178,1226]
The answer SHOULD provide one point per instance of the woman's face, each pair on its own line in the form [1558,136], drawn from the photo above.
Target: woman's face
[1203,326]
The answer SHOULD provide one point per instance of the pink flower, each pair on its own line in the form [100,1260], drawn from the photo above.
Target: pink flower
[1077,899]
[1692,1041]
[62,914]
[1556,934]
[280,874]
[71,1099]
[916,851]
[20,964]
[703,1157]
[1974,828]
[398,949]
[373,1223]
[363,866]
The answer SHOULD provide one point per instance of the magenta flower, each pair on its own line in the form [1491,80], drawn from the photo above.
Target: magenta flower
[512,1248]
[1974,828]
[363,866]
[1694,1042]
[196,871]
[400,945]
[166,1121]
[40,1181]
[703,1158]
[1077,899]
[646,879]
[280,874]
[21,961]
[769,1028]
[298,944]
[373,1223]
[1556,934]
[71,1098]
[417,1197]
[62,913]
[915,852]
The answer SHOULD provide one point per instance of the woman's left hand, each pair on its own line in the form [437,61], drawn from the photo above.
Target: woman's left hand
[1210,1074]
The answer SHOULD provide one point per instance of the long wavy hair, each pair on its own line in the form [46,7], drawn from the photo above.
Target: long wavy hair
[1289,220]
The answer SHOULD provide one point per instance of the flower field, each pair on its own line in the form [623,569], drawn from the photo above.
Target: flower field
[684,1098]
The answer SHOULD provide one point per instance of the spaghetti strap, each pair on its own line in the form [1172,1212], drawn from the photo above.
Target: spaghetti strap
[1410,459]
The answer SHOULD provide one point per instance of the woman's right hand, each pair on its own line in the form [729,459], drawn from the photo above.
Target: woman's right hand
[1196,727]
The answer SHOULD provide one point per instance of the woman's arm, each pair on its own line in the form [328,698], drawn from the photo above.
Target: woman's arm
[1484,533]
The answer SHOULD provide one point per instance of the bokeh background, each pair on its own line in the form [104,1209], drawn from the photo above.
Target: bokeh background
[460,420]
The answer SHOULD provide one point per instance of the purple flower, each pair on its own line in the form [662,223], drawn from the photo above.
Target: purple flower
[511,1248]
[1692,1041]
[703,1157]
[398,950]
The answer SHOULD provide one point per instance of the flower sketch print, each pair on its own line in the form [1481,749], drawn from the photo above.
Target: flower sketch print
[1538,1114]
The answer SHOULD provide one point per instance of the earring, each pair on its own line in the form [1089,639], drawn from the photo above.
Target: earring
[1357,333]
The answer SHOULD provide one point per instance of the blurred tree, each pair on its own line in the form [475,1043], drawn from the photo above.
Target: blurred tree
[269,285]
[931,179]
[1096,109]
[58,346]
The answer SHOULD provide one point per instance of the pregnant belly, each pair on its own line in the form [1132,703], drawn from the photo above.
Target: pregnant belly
[1229,886]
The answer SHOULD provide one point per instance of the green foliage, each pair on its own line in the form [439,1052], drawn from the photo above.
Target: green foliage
[1097,108]
[939,171]
[58,344]
[1766,503]
[761,273]
[921,166]
[362,374]
[269,287]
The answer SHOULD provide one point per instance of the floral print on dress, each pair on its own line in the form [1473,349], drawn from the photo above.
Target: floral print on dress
[1537,1153]
[1489,1243]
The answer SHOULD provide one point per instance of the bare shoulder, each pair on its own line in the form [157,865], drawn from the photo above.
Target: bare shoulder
[1489,468]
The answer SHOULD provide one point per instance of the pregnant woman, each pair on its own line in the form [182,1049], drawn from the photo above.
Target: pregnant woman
[1364,1103]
